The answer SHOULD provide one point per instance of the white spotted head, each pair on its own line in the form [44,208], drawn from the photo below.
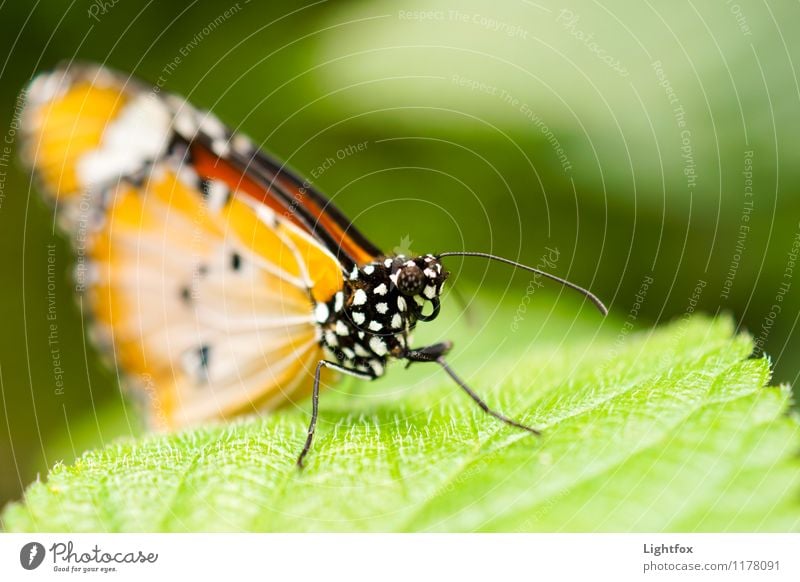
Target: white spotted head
[420,278]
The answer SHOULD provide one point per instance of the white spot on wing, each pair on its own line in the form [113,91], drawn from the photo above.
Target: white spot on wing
[211,125]
[138,135]
[188,176]
[380,289]
[341,328]
[375,326]
[359,318]
[217,195]
[184,123]
[221,147]
[266,215]
[397,321]
[382,307]
[241,144]
[46,87]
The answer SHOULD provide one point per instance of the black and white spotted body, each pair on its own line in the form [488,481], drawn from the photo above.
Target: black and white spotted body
[371,319]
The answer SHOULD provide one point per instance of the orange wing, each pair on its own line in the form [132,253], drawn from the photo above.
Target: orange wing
[270,182]
[203,295]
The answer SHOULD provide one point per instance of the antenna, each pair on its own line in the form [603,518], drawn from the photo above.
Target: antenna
[588,294]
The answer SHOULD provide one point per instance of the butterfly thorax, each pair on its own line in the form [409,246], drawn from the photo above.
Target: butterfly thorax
[372,317]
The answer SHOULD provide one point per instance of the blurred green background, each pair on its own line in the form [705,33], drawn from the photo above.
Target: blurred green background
[652,140]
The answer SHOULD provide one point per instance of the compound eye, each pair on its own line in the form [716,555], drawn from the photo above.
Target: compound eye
[410,280]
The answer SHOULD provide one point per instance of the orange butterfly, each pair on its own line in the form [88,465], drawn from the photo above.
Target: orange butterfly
[219,280]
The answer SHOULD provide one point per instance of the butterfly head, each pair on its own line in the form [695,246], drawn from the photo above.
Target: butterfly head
[420,279]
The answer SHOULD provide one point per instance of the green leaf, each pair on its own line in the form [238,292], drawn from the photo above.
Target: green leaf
[670,430]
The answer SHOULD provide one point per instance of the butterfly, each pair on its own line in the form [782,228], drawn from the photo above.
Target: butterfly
[219,281]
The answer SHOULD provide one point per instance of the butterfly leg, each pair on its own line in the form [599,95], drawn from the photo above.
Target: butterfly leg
[315,401]
[427,354]
[436,353]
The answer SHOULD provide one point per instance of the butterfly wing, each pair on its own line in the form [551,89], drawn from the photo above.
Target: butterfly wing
[239,162]
[201,291]
[218,154]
